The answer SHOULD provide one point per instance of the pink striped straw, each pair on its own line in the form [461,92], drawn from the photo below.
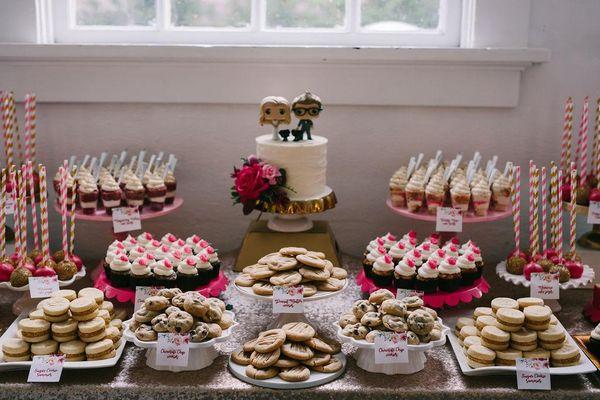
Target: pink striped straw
[553,211]
[565,155]
[531,204]
[28,128]
[515,196]
[584,141]
[544,211]
[17,220]
[560,218]
[17,137]
[36,239]
[3,214]
[23,209]
[63,207]
[573,213]
[7,126]
[44,212]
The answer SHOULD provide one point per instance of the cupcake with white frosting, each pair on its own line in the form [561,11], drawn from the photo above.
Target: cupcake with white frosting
[427,277]
[449,275]
[141,274]
[383,271]
[404,274]
[187,274]
[460,195]
[481,195]
[468,269]
[119,271]
[370,259]
[397,252]
[205,270]
[164,273]
[501,193]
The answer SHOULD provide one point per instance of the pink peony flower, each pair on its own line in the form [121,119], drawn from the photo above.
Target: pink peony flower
[270,173]
[249,182]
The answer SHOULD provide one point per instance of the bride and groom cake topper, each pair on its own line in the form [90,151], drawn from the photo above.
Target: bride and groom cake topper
[275,110]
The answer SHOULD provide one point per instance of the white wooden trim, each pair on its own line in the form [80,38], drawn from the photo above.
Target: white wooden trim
[210,74]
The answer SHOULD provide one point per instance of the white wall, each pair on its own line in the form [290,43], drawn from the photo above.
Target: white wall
[366,143]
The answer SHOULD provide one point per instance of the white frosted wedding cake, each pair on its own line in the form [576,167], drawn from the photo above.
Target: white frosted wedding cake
[305,163]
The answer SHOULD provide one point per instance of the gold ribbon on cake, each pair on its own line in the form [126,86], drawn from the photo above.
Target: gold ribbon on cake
[312,206]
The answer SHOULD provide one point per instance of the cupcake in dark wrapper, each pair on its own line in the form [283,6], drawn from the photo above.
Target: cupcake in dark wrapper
[187,274]
[468,269]
[397,252]
[383,271]
[120,269]
[427,277]
[205,270]
[370,260]
[141,274]
[164,273]
[404,274]
[594,343]
[449,275]
[213,258]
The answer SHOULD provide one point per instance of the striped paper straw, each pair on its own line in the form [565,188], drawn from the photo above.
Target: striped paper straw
[597,140]
[536,202]
[559,221]
[3,214]
[63,206]
[531,204]
[553,190]
[16,219]
[32,126]
[573,213]
[27,128]
[544,211]
[72,220]
[516,205]
[7,126]
[36,239]
[44,212]
[22,178]
[567,137]
[584,141]
[15,123]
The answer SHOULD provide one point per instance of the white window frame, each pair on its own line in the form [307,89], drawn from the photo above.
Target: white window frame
[448,34]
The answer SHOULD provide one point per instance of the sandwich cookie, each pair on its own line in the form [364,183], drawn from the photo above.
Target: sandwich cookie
[56,309]
[96,294]
[92,330]
[537,353]
[485,320]
[462,321]
[73,350]
[524,340]
[508,357]
[14,349]
[529,301]
[83,309]
[509,319]
[68,294]
[537,318]
[44,348]
[479,311]
[100,350]
[37,314]
[552,338]
[479,356]
[468,331]
[64,331]
[504,302]
[495,338]
[566,356]
[34,330]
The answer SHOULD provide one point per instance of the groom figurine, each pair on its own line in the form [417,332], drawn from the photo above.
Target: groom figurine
[305,107]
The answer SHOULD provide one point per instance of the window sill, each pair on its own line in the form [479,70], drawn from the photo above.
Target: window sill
[212,74]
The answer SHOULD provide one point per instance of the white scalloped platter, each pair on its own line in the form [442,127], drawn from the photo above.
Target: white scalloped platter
[130,336]
[80,274]
[320,295]
[586,278]
[11,332]
[363,344]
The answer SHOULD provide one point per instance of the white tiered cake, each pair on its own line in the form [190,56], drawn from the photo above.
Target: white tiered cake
[305,163]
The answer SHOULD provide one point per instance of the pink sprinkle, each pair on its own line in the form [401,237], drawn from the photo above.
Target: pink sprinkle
[210,250]
[204,258]
[187,250]
[476,250]
[432,264]
[132,241]
[203,243]
[426,246]
[165,248]
[401,245]
[410,263]
[123,258]
[454,240]
[452,261]
[413,241]
[381,249]
[140,249]
[150,256]
[180,243]
[435,235]
[155,243]
[176,254]
[391,237]
[380,241]
[148,236]
[441,253]
[171,238]
[120,246]
[387,258]
[471,257]
[434,241]
[417,253]
[168,263]
[453,248]
[412,234]
[143,261]
[195,238]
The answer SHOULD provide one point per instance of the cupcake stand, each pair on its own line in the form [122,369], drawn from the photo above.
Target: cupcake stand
[586,278]
[124,295]
[201,354]
[365,357]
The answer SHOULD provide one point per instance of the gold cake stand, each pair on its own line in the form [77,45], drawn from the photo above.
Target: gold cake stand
[290,226]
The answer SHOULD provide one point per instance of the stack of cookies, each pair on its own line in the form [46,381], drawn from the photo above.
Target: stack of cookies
[292,266]
[382,312]
[511,329]
[174,311]
[79,325]
[291,353]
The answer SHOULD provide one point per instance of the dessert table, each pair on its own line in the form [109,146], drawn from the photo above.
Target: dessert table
[441,378]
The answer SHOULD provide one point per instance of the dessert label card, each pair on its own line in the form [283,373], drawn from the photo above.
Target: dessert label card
[545,286]
[173,349]
[448,219]
[46,368]
[533,374]
[126,219]
[142,293]
[288,299]
[594,213]
[391,348]
[402,293]
[42,286]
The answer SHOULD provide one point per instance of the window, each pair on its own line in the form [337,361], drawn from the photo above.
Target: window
[424,23]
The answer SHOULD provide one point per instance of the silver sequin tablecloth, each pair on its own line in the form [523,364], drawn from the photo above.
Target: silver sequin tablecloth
[441,378]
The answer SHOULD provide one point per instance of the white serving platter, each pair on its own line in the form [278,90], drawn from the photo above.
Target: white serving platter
[584,367]
[80,274]
[586,278]
[320,295]
[316,378]
[11,332]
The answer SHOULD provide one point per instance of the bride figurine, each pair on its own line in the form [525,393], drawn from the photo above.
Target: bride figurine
[274,110]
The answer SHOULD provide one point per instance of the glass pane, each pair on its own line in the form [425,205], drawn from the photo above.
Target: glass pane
[115,12]
[211,13]
[400,15]
[305,14]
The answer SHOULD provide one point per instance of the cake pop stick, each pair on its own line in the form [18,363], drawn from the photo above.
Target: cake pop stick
[8,128]
[44,212]
[531,204]
[544,211]
[32,127]
[72,225]
[3,214]
[560,218]
[63,208]
[573,213]
[597,141]
[15,122]
[36,239]
[536,200]
[16,216]
[22,185]
[567,137]
[553,216]
[584,142]
[516,205]
[27,128]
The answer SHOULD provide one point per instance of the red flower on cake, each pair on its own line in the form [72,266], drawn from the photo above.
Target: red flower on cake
[249,182]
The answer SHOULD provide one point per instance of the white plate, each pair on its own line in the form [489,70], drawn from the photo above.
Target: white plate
[584,367]
[586,277]
[80,274]
[363,344]
[11,332]
[130,336]
[320,295]
[316,378]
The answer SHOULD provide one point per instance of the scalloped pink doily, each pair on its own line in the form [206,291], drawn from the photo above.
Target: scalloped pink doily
[436,300]
[123,295]
[593,313]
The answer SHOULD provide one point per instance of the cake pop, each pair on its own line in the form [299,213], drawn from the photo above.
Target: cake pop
[532,268]
[516,262]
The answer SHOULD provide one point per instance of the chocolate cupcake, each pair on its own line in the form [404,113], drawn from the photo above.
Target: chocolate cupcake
[120,269]
[164,274]
[213,258]
[397,252]
[141,274]
[594,343]
[449,275]
[383,271]
[205,270]
[427,277]
[468,269]
[404,274]
[187,274]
